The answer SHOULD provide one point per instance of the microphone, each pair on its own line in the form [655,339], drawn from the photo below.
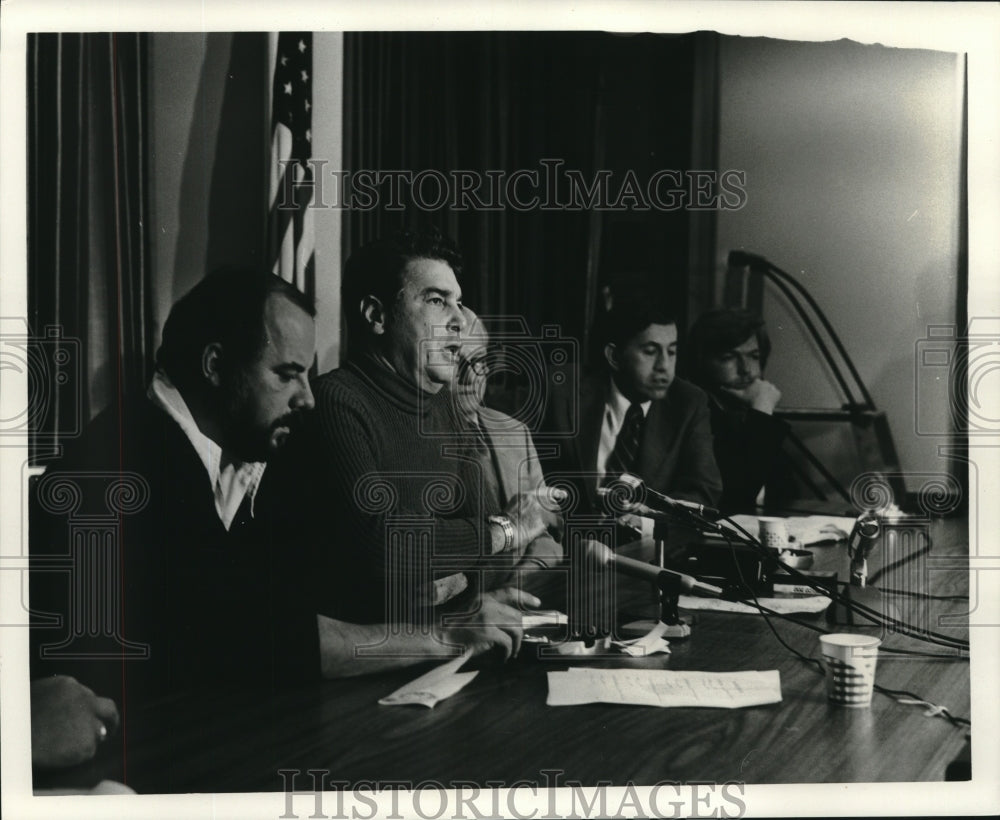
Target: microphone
[687,516]
[864,535]
[602,556]
[669,504]
[863,539]
[641,510]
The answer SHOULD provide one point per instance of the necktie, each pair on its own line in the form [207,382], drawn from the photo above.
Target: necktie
[623,457]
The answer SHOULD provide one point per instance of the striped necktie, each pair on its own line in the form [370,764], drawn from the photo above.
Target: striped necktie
[623,457]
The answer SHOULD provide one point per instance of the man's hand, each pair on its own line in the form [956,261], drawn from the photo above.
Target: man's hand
[496,623]
[759,395]
[68,722]
[533,514]
[541,553]
[632,521]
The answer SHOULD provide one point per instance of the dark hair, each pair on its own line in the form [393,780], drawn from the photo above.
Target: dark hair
[226,307]
[720,330]
[376,269]
[632,314]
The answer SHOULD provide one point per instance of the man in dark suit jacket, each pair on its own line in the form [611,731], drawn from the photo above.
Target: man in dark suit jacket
[636,417]
[728,350]
[163,552]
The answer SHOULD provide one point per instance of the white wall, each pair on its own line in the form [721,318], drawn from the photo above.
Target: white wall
[209,164]
[328,144]
[852,159]
[177,64]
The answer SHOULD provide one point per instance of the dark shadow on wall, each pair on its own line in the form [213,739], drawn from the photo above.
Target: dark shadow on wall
[598,105]
[224,188]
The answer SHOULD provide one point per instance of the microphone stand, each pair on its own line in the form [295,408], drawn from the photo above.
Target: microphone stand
[661,531]
[865,538]
[667,588]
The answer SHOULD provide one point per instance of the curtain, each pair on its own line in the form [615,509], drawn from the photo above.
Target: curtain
[88,273]
[479,102]
[506,102]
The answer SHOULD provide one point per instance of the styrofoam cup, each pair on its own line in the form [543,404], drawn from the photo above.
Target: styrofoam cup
[850,667]
[773,533]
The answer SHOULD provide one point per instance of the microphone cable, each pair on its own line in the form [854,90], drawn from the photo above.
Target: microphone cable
[877,618]
[901,696]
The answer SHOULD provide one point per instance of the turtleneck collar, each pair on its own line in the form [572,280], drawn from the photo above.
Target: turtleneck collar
[403,394]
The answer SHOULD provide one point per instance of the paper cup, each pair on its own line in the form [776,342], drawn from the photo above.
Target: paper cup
[773,533]
[850,667]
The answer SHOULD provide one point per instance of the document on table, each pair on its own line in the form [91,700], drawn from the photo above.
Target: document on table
[441,682]
[661,687]
[783,606]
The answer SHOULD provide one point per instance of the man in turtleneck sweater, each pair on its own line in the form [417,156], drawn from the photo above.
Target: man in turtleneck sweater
[396,520]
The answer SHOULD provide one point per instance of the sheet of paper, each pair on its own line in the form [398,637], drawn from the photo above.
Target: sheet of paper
[785,606]
[441,682]
[806,529]
[814,529]
[661,687]
[531,620]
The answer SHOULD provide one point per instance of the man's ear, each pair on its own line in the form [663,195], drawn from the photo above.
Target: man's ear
[611,356]
[211,363]
[375,314]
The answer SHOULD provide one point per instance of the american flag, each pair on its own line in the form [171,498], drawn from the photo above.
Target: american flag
[291,235]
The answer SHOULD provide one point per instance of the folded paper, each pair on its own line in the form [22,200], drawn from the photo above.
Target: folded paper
[441,682]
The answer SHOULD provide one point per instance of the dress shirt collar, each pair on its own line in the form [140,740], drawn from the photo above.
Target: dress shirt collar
[617,405]
[231,479]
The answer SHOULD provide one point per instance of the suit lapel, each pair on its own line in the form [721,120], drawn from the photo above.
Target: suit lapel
[502,440]
[656,439]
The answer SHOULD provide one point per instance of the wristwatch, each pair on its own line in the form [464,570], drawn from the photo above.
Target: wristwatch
[507,526]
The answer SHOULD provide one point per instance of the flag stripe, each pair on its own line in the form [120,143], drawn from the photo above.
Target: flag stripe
[290,219]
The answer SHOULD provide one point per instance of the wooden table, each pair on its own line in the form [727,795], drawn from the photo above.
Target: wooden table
[499,729]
